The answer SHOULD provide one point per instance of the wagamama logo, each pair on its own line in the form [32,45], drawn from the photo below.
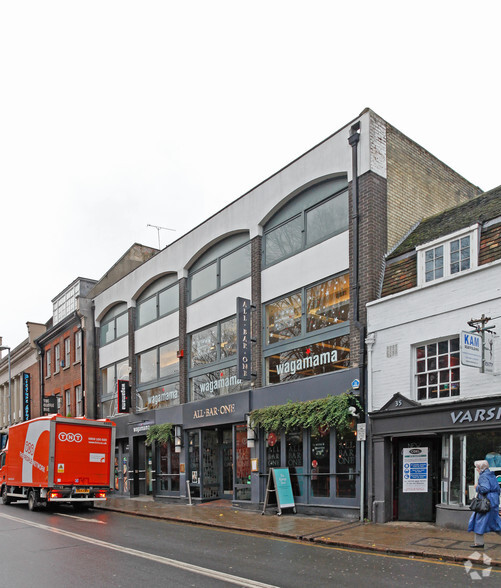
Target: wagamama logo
[70,437]
[296,365]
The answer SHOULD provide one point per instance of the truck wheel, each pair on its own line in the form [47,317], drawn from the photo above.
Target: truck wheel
[5,498]
[32,500]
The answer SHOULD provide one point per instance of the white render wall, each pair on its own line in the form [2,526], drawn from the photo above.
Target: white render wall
[248,214]
[425,314]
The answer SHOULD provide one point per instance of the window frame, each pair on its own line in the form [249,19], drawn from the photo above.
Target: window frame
[303,214]
[217,263]
[77,342]
[157,379]
[158,314]
[57,358]
[67,353]
[438,370]
[113,320]
[471,231]
[48,363]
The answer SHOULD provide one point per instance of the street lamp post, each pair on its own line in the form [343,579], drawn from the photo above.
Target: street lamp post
[4,348]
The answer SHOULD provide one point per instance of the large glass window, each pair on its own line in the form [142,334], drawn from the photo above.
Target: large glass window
[214,343]
[320,463]
[158,397]
[326,219]
[168,476]
[318,213]
[459,452]
[115,324]
[284,240]
[158,363]
[309,360]
[294,327]
[437,369]
[109,393]
[224,264]
[328,303]
[158,300]
[216,383]
[283,318]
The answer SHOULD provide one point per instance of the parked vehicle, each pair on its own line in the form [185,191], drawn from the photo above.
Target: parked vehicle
[56,459]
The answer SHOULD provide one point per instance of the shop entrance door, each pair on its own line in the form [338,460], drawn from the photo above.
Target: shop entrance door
[417,479]
[143,468]
[217,463]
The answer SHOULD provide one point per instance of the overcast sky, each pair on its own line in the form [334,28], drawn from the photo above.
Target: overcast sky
[116,115]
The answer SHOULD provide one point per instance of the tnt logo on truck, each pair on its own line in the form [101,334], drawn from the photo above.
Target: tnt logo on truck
[70,437]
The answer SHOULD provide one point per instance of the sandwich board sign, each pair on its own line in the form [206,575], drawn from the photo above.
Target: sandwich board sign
[279,483]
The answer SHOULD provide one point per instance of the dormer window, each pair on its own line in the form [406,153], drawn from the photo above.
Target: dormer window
[445,257]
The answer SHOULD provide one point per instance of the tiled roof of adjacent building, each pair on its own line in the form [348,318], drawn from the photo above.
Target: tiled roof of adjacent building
[485,207]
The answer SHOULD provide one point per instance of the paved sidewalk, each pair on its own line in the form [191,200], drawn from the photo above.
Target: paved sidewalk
[410,539]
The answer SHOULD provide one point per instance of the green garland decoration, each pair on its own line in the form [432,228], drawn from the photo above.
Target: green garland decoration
[160,433]
[331,411]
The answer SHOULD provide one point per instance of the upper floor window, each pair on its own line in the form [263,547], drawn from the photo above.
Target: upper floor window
[109,391]
[48,357]
[318,213]
[78,346]
[79,400]
[214,343]
[115,324]
[310,309]
[224,263]
[437,369]
[444,258]
[158,363]
[158,300]
[67,353]
[57,358]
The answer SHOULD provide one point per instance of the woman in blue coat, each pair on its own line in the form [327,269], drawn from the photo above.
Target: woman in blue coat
[481,523]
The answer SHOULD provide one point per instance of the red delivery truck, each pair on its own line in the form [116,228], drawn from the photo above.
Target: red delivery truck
[56,459]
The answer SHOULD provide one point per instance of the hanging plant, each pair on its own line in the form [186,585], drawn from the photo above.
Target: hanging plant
[332,411]
[160,433]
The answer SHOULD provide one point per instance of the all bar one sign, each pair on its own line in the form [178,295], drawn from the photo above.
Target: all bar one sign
[244,339]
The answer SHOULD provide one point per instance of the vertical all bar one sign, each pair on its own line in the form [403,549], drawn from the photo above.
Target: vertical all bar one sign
[243,339]
[26,396]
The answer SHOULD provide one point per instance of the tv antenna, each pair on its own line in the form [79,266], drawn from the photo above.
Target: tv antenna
[158,231]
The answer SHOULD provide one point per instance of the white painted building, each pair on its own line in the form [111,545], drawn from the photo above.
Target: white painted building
[445,274]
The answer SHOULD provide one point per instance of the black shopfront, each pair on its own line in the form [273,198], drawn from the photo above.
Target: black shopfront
[422,458]
[213,458]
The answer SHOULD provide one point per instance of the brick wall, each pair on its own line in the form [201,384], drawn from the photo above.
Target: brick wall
[372,248]
[419,185]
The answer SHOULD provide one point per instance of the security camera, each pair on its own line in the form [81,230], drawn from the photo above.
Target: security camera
[353,411]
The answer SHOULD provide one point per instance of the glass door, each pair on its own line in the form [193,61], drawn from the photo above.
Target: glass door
[210,464]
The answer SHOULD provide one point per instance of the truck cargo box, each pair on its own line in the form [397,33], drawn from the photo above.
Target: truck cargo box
[62,459]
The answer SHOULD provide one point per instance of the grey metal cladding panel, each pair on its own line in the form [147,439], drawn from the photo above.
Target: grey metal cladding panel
[332,384]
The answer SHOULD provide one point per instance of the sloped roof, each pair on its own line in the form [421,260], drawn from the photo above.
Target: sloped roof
[480,209]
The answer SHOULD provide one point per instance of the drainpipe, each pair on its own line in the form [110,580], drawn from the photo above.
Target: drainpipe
[353,140]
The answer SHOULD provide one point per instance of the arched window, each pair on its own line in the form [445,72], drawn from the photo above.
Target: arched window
[223,264]
[115,324]
[158,300]
[314,215]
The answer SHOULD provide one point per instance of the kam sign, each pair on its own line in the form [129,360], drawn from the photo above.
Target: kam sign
[471,349]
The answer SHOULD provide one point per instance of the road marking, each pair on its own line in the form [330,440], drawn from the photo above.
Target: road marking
[62,514]
[143,554]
